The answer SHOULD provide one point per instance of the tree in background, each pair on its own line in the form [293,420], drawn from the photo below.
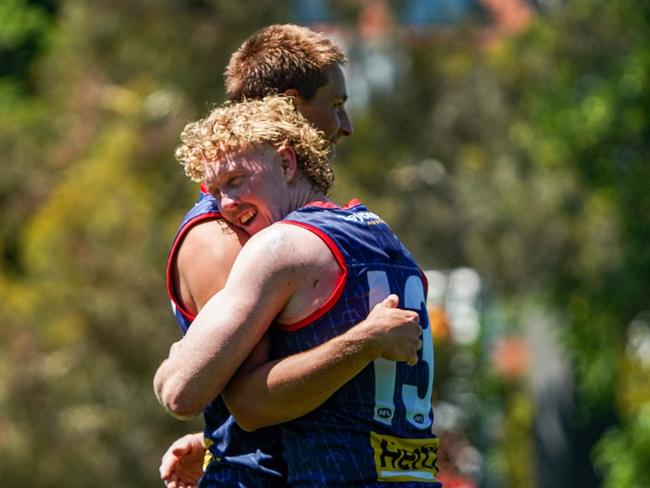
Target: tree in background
[524,158]
[93,199]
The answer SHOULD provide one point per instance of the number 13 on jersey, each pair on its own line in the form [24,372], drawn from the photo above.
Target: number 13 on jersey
[417,408]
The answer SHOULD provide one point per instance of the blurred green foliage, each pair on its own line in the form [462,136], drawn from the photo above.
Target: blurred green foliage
[526,159]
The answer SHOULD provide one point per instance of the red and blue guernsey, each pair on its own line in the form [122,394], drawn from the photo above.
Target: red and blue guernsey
[235,458]
[377,429]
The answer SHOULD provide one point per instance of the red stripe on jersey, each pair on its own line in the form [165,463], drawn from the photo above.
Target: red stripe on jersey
[425,282]
[172,258]
[321,204]
[338,289]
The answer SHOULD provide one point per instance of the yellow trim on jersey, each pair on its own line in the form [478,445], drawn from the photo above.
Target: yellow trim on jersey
[208,455]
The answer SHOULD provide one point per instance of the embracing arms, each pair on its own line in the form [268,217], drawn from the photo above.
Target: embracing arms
[275,276]
[224,332]
[293,386]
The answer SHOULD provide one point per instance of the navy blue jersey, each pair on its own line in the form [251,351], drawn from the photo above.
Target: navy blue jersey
[376,429]
[236,458]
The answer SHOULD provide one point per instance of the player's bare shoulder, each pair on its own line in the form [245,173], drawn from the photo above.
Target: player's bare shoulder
[291,245]
[203,261]
[317,273]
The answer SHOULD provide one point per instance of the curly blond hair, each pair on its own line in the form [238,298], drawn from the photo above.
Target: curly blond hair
[235,127]
[279,57]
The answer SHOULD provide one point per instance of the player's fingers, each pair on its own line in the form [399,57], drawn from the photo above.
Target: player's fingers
[181,450]
[412,332]
[416,328]
[412,359]
[413,317]
[391,301]
[166,466]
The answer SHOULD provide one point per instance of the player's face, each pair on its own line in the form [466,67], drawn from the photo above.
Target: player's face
[326,110]
[251,188]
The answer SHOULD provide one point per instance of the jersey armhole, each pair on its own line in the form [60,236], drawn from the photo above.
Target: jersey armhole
[338,289]
[209,216]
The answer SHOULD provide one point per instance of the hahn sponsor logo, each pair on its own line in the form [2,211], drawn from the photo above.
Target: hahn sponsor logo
[398,459]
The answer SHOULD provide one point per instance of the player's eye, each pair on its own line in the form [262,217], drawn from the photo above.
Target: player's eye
[231,182]
[235,181]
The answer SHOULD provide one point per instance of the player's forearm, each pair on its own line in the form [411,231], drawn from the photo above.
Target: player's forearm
[294,386]
[200,365]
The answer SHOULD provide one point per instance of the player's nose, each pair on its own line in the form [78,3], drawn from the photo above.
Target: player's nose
[228,203]
[345,128]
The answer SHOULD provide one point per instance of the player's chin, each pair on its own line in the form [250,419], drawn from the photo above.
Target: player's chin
[254,226]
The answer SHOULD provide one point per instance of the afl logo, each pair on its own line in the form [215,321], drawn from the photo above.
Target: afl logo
[419,418]
[384,413]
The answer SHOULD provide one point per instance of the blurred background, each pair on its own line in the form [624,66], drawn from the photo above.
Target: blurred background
[506,141]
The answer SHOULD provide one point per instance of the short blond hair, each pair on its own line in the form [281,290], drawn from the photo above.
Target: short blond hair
[279,57]
[235,127]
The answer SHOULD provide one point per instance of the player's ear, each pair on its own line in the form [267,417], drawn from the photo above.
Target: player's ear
[297,99]
[289,162]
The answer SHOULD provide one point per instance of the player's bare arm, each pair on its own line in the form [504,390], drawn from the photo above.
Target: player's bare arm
[204,261]
[228,326]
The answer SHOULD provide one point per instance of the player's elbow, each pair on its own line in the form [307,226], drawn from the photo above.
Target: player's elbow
[249,422]
[247,416]
[180,408]
[175,399]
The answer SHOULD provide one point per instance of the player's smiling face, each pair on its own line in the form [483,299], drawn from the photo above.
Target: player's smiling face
[251,187]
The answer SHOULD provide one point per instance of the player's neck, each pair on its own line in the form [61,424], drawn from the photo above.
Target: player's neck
[304,193]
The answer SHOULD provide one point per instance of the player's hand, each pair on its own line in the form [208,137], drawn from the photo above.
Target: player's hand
[394,332]
[182,465]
